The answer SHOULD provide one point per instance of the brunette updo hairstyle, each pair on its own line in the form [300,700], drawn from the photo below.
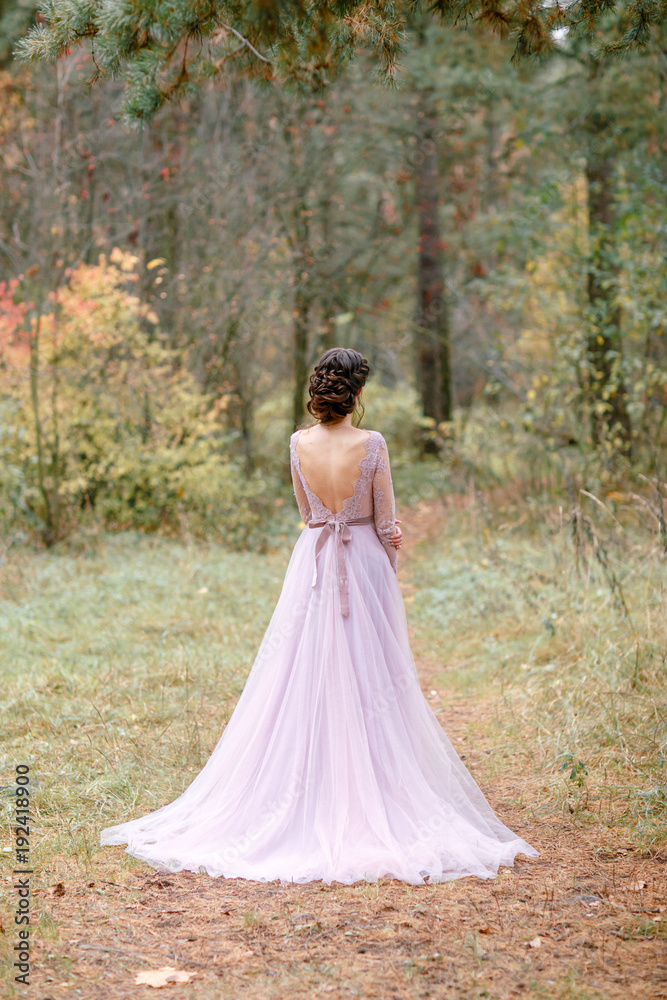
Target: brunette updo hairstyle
[335,383]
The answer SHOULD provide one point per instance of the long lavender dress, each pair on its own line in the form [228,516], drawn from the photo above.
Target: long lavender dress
[333,765]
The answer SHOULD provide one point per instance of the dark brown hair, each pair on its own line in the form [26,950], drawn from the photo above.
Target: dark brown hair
[335,383]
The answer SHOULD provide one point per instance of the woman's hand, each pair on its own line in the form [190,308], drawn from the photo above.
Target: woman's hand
[397,538]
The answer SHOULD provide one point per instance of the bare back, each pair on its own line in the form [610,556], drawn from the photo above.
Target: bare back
[344,475]
[329,461]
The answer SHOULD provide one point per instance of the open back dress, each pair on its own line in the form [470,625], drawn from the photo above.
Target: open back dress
[333,766]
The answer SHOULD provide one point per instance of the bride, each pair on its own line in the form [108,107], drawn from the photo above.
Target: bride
[333,765]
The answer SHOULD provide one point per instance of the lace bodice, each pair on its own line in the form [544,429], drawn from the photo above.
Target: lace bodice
[373,492]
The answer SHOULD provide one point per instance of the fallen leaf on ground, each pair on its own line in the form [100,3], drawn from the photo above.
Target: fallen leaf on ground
[163,977]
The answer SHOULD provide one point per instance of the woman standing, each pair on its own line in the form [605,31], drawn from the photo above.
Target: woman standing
[333,765]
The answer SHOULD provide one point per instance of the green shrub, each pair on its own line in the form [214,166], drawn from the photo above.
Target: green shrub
[102,422]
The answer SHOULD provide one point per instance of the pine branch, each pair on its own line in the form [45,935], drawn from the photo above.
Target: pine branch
[305,41]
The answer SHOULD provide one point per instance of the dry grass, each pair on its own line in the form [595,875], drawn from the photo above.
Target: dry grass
[580,670]
[120,670]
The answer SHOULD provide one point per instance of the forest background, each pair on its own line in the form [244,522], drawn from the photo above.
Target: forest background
[492,236]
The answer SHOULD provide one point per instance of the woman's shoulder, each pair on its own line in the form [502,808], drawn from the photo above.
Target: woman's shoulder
[374,437]
[377,438]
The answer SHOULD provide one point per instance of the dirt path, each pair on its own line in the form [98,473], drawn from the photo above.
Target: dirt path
[578,923]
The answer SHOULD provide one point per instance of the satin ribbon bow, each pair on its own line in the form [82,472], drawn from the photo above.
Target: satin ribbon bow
[342,534]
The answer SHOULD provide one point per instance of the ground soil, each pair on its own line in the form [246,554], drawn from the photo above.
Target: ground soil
[581,921]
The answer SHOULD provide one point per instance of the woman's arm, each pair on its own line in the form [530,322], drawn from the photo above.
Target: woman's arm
[384,510]
[299,492]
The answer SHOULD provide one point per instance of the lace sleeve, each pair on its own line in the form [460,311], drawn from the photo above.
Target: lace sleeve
[299,492]
[384,512]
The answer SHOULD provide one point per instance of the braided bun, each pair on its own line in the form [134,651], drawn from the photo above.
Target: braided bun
[338,378]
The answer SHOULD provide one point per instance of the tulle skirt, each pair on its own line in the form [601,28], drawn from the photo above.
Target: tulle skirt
[333,766]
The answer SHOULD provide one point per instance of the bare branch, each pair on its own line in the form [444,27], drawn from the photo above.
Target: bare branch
[245,41]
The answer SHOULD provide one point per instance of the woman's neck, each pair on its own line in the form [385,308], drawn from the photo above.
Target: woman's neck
[340,424]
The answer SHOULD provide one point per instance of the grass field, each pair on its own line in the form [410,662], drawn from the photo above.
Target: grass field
[543,652]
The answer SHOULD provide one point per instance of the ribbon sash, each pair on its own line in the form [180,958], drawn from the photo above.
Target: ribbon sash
[342,535]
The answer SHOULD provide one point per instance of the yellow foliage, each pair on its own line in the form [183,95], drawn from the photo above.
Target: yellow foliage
[122,426]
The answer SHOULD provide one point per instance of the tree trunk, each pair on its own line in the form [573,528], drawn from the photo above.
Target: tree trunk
[49,509]
[432,327]
[604,352]
[331,290]
[244,390]
[302,297]
[159,234]
[303,263]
